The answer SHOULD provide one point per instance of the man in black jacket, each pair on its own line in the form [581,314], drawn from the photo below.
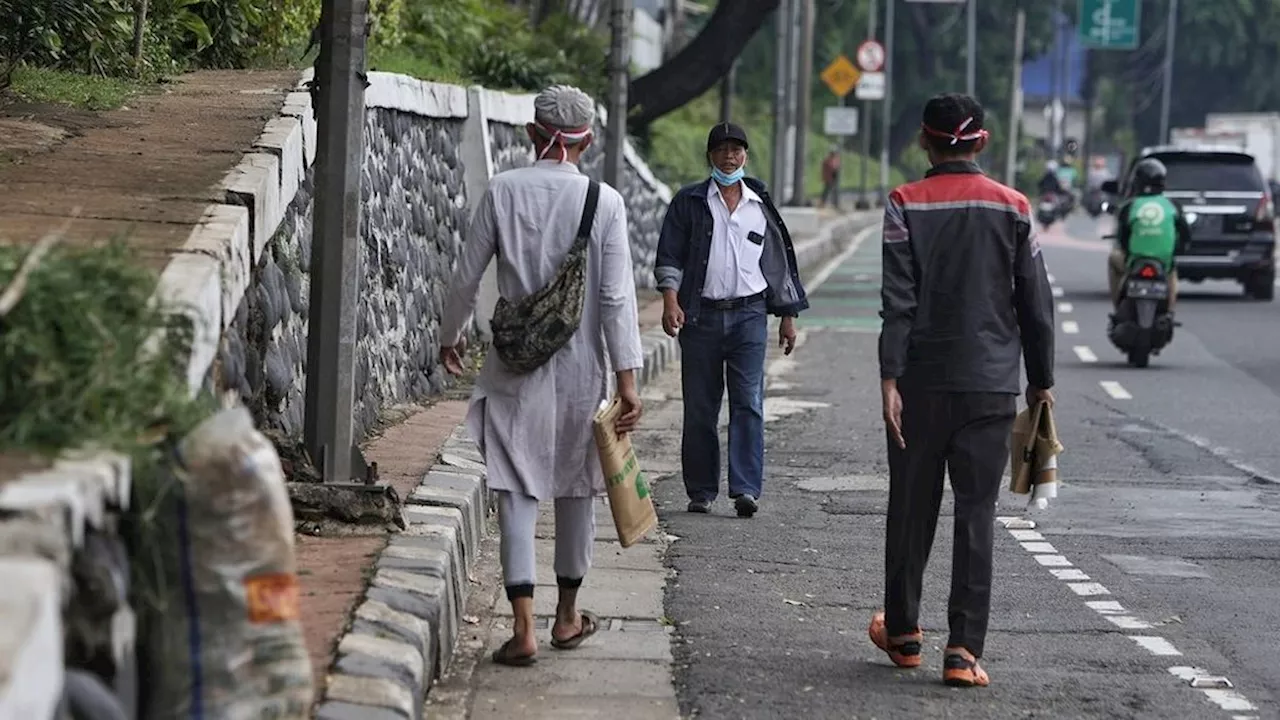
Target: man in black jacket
[725,262]
[965,294]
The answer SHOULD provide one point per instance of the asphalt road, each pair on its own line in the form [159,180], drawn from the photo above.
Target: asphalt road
[1161,554]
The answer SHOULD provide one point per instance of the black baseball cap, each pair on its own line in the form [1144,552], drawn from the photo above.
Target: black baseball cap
[726,131]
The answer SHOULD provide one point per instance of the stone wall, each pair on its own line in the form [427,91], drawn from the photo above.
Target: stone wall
[430,151]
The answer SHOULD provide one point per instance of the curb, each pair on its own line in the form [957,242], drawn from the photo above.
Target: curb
[403,633]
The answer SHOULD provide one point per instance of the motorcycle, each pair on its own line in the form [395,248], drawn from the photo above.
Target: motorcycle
[1047,210]
[1095,202]
[1142,325]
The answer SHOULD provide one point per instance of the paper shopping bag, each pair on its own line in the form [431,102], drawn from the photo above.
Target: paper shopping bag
[1034,450]
[629,497]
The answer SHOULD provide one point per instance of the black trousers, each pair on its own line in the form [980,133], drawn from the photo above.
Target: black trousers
[967,436]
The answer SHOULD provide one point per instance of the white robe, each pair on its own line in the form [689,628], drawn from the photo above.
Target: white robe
[534,430]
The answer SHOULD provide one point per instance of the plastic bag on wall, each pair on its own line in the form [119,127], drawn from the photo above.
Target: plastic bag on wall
[228,644]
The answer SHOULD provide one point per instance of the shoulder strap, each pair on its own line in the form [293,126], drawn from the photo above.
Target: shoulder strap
[589,211]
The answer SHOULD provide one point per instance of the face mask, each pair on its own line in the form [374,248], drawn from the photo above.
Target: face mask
[727,179]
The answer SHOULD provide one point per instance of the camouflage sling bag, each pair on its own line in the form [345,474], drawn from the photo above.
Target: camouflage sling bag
[527,332]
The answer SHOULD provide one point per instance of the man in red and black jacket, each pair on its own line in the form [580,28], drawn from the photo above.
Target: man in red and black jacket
[965,295]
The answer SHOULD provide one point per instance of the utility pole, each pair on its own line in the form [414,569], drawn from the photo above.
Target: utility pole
[793,99]
[726,93]
[971,61]
[1015,95]
[886,118]
[804,97]
[328,423]
[1166,91]
[619,64]
[1055,141]
[865,119]
[782,17]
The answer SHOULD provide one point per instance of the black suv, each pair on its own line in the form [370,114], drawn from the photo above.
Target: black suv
[1229,207]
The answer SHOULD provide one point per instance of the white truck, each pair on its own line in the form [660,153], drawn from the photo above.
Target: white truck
[1262,137]
[1197,138]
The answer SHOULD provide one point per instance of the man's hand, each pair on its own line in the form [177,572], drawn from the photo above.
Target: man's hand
[787,335]
[893,411]
[632,408]
[1038,395]
[672,315]
[451,357]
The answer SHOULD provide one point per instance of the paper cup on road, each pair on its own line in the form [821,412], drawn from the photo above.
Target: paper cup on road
[629,498]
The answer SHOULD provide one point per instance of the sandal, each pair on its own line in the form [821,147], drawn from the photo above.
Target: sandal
[590,623]
[961,669]
[905,652]
[504,656]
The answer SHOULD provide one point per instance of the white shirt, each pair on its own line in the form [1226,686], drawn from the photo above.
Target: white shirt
[737,241]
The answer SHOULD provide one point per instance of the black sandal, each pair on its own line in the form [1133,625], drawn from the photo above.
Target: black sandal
[504,656]
[590,624]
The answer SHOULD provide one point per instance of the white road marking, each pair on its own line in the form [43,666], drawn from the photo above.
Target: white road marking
[1052,560]
[1039,547]
[1065,307]
[1229,700]
[838,260]
[1071,327]
[1026,535]
[1069,574]
[1086,589]
[1115,390]
[1128,622]
[1185,672]
[1050,276]
[1156,645]
[1057,292]
[1106,607]
[1085,354]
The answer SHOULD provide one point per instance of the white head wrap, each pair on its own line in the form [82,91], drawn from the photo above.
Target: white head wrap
[564,115]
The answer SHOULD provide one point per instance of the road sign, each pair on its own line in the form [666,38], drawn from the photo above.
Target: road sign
[870,56]
[1109,24]
[871,86]
[841,76]
[840,121]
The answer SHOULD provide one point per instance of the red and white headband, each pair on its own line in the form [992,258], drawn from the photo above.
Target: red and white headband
[561,137]
[958,135]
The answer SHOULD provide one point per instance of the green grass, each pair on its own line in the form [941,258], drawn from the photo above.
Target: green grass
[406,62]
[87,92]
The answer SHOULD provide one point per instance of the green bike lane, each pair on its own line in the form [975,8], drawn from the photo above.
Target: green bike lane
[849,298]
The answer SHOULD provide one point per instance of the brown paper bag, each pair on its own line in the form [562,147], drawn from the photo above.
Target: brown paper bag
[1033,449]
[629,497]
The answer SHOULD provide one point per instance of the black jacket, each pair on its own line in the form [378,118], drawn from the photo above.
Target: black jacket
[965,290]
[684,247]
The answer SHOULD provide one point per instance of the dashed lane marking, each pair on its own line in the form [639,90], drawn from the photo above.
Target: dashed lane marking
[1071,327]
[1115,390]
[1051,280]
[1057,292]
[1065,307]
[1085,354]
[1156,645]
[1216,689]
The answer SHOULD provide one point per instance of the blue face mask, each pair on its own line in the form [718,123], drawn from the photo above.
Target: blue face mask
[727,179]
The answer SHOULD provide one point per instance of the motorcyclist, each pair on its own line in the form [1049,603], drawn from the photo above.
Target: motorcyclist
[1148,225]
[1049,182]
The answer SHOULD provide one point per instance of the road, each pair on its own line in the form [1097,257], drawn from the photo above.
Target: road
[1159,560]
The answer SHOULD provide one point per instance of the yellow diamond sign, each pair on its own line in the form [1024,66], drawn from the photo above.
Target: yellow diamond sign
[841,76]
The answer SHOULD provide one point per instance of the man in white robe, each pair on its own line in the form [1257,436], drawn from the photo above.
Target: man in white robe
[535,429]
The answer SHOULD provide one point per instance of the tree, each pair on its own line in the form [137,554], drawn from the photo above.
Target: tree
[701,64]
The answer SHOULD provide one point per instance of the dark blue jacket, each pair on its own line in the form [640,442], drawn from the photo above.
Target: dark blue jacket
[685,245]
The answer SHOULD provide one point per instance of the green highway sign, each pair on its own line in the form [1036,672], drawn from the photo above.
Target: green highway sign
[1109,24]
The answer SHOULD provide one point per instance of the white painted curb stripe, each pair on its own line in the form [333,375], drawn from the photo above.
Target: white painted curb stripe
[1065,307]
[1039,547]
[1128,622]
[1071,327]
[1069,574]
[1057,292]
[1052,560]
[1086,589]
[1115,390]
[1026,535]
[1106,607]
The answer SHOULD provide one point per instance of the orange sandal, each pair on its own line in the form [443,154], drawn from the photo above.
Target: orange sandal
[961,669]
[903,650]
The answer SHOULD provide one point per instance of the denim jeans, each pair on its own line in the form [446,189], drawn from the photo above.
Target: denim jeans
[724,344]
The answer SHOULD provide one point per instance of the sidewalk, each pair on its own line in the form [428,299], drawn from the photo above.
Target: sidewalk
[625,671]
